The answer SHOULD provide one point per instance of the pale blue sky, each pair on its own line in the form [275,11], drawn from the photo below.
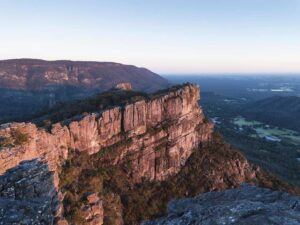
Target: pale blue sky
[166,36]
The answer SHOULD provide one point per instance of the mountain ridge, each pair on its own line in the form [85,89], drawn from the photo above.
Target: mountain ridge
[77,73]
[29,85]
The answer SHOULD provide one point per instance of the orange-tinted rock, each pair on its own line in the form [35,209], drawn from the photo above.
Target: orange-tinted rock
[164,131]
[93,210]
[124,86]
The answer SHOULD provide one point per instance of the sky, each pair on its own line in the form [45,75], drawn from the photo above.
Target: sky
[166,36]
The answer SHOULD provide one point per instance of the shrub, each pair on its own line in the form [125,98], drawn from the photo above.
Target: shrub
[19,137]
[5,142]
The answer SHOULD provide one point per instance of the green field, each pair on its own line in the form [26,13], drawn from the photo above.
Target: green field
[240,121]
[264,131]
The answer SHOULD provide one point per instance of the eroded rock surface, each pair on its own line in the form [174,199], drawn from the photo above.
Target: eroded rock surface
[28,195]
[247,205]
[157,135]
[93,210]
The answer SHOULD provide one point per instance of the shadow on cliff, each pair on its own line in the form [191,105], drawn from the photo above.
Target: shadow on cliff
[28,194]
[213,167]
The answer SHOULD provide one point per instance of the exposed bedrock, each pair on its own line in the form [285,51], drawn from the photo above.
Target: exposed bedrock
[28,195]
[246,205]
[160,135]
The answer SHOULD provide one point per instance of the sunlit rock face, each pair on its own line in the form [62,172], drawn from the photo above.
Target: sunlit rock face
[124,86]
[245,205]
[157,135]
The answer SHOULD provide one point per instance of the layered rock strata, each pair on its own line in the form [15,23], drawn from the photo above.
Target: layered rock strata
[157,135]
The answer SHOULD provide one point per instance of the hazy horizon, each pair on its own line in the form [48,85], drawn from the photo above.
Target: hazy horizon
[233,74]
[167,37]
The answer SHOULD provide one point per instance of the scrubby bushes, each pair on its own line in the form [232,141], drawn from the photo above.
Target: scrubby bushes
[6,142]
[17,137]
[147,200]
[96,103]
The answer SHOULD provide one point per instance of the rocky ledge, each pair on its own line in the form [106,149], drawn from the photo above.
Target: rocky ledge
[27,195]
[158,135]
[246,205]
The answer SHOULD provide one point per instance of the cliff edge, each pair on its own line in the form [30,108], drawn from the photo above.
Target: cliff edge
[120,157]
[167,125]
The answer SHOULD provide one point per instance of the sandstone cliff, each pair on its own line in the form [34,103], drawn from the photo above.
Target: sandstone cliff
[123,163]
[170,125]
[157,135]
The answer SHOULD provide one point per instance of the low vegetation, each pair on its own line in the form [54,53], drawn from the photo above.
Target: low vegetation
[147,200]
[99,102]
[96,103]
[275,149]
[18,137]
[6,141]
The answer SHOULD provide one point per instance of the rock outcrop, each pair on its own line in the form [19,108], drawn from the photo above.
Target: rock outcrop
[168,127]
[100,163]
[123,86]
[245,205]
[93,211]
[157,136]
[27,195]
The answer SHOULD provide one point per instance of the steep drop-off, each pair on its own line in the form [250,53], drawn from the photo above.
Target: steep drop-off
[171,124]
[123,163]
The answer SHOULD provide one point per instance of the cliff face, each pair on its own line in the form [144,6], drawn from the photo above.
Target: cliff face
[98,165]
[158,135]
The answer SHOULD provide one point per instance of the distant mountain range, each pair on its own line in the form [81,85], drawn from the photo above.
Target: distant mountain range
[30,85]
[278,111]
[35,74]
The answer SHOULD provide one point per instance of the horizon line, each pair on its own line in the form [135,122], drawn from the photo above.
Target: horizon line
[242,73]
